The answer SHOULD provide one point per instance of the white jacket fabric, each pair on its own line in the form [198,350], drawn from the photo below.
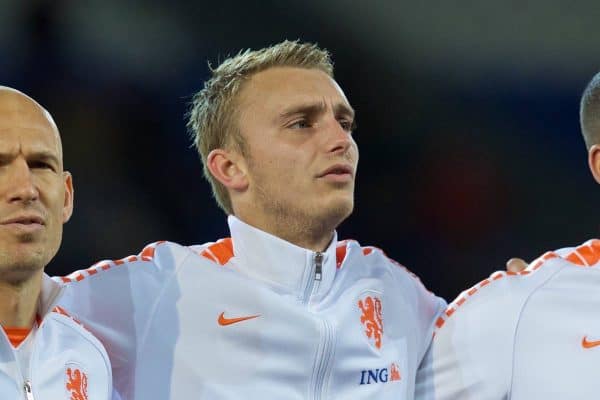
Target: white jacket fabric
[256,317]
[532,335]
[66,362]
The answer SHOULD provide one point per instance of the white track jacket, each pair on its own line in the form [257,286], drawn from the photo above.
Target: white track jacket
[531,335]
[66,363]
[256,317]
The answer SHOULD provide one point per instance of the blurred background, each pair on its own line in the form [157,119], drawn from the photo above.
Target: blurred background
[467,119]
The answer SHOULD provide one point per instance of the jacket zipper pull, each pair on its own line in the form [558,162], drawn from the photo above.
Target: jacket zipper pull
[318,266]
[28,392]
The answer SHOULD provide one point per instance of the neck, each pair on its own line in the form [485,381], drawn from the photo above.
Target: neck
[315,236]
[18,302]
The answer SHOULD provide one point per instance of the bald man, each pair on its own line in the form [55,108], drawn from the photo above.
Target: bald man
[44,353]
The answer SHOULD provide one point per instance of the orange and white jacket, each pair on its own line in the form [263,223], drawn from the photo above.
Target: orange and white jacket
[256,317]
[531,335]
[66,361]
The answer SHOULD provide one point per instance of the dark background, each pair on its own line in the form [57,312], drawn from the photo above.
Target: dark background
[468,119]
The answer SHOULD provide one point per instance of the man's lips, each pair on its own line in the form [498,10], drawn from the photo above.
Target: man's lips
[28,219]
[27,223]
[338,170]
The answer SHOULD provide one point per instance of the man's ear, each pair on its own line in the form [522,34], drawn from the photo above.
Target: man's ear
[69,194]
[594,161]
[229,168]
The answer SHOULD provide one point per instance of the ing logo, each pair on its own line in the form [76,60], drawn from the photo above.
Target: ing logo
[380,375]
[76,384]
[372,319]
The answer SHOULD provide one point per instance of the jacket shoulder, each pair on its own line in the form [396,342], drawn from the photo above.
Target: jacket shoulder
[375,260]
[502,293]
[157,257]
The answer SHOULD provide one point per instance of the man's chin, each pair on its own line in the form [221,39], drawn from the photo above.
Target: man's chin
[338,211]
[19,272]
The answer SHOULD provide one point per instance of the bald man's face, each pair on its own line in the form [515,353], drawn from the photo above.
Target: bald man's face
[36,195]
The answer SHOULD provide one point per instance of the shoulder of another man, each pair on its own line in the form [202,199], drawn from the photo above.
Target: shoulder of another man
[155,258]
[472,349]
[494,303]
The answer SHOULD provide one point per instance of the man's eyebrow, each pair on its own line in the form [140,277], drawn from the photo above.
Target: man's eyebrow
[304,108]
[44,156]
[316,109]
[344,109]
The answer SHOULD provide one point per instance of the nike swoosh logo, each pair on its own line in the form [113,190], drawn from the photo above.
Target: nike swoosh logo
[228,321]
[589,344]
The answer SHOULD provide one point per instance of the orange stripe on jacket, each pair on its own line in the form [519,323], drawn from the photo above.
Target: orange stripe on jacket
[586,255]
[148,251]
[340,252]
[219,252]
[146,255]
[62,311]
[467,294]
[222,251]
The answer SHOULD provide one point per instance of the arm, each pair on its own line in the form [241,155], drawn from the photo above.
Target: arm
[470,357]
[114,300]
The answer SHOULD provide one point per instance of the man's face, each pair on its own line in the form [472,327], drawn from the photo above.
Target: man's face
[301,157]
[35,193]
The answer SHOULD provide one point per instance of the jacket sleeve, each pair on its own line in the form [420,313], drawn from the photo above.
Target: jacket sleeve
[470,357]
[429,308]
[115,299]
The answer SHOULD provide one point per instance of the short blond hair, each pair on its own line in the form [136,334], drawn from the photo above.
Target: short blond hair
[213,112]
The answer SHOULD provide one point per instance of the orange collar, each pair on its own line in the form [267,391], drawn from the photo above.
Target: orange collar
[16,335]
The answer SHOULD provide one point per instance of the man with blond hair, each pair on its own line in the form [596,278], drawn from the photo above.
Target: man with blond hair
[44,353]
[282,309]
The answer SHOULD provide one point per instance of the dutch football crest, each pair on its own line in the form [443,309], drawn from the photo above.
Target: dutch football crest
[371,318]
[76,382]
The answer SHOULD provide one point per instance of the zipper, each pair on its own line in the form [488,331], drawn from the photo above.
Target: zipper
[316,274]
[323,360]
[318,266]
[27,389]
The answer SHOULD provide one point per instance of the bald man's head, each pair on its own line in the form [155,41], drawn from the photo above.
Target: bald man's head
[589,112]
[20,106]
[36,194]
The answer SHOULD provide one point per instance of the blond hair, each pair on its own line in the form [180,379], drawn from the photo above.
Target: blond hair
[213,112]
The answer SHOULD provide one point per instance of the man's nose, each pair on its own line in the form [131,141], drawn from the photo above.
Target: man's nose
[20,183]
[340,139]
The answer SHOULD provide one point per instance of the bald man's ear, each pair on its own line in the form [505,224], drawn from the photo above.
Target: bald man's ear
[594,161]
[69,193]
[229,168]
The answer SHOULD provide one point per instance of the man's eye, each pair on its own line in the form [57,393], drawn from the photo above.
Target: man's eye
[40,165]
[301,124]
[347,125]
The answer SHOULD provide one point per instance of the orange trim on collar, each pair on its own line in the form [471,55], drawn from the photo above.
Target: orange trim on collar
[16,335]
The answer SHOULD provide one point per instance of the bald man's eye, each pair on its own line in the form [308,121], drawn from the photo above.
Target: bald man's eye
[41,165]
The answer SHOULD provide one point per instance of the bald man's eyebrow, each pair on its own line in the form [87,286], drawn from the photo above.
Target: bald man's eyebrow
[44,157]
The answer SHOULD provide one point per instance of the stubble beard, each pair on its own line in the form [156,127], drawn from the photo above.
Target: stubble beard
[17,266]
[296,222]
[17,271]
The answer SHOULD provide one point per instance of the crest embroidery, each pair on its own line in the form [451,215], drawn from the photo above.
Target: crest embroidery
[372,319]
[76,384]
